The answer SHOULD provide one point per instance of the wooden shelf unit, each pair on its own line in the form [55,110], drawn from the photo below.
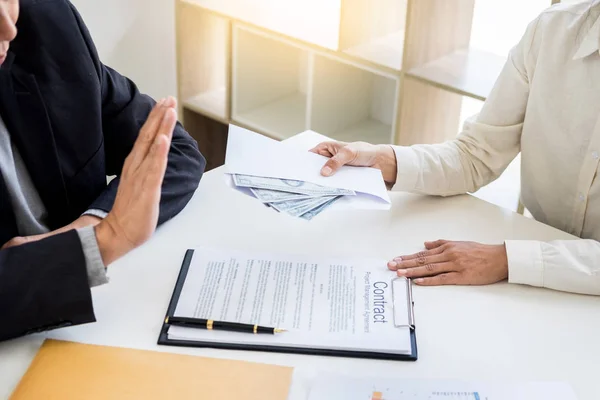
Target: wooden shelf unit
[270,83]
[385,71]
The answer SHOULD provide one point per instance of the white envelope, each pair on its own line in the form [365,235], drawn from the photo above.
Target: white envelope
[250,153]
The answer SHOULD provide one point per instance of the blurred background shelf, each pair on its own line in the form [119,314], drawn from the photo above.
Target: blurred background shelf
[374,31]
[351,102]
[270,83]
[279,119]
[204,76]
[470,72]
[213,103]
[378,132]
[385,51]
[312,21]
[383,71]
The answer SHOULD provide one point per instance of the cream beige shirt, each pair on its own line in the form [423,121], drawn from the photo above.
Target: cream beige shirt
[546,105]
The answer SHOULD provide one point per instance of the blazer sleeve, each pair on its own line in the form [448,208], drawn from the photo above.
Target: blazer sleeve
[44,285]
[124,111]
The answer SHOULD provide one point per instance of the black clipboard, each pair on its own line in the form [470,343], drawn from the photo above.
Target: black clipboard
[163,338]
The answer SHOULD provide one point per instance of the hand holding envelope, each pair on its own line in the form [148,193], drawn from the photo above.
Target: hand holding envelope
[254,155]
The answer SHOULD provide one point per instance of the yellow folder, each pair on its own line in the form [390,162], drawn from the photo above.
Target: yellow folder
[65,370]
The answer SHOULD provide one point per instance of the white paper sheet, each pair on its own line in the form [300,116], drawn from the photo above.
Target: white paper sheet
[250,153]
[327,386]
[323,303]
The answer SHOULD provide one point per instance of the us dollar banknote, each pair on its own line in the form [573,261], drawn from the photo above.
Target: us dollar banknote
[276,196]
[298,208]
[288,185]
[318,210]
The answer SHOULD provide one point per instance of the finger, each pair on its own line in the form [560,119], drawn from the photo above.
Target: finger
[327,149]
[422,256]
[170,102]
[435,244]
[322,151]
[148,131]
[156,162]
[341,158]
[449,278]
[168,124]
[419,262]
[427,270]
[147,134]
[319,148]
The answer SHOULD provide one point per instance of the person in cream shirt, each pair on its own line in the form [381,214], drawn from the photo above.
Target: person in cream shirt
[546,105]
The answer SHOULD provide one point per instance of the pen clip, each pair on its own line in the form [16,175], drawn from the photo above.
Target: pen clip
[409,315]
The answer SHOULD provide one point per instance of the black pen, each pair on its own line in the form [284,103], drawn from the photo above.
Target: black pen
[210,324]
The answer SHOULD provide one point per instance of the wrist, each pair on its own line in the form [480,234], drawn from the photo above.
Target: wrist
[387,163]
[502,260]
[111,247]
[86,220]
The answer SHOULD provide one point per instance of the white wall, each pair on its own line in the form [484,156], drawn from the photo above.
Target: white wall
[136,38]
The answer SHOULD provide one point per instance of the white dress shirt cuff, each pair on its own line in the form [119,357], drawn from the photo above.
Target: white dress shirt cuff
[525,262]
[96,213]
[408,169]
[93,259]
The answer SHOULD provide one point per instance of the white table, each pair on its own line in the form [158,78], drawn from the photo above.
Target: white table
[476,333]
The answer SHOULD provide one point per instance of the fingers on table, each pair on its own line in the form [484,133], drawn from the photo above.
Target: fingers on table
[420,262]
[435,244]
[426,264]
[427,270]
[448,278]
[418,259]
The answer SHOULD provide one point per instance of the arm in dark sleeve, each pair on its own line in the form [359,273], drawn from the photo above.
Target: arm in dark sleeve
[44,285]
[124,111]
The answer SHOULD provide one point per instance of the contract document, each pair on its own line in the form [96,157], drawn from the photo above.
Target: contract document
[345,305]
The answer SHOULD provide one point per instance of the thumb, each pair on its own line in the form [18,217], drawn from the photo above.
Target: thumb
[435,244]
[341,158]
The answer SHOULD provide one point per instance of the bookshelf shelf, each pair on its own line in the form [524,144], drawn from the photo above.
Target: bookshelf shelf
[351,103]
[385,71]
[469,72]
[270,79]
[204,76]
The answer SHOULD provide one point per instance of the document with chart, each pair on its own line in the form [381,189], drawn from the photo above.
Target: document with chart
[328,306]
[328,386]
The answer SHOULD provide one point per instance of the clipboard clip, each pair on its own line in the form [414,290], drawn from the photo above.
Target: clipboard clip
[404,312]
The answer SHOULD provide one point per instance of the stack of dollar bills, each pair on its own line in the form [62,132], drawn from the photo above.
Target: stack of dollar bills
[296,198]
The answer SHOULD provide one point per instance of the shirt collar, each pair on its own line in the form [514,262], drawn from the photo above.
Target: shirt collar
[591,41]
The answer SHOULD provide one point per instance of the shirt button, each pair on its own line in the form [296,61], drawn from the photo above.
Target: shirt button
[581,197]
[595,155]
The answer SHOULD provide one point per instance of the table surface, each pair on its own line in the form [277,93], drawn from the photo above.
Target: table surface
[494,332]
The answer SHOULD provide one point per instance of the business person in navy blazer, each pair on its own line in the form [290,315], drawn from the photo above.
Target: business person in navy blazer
[68,121]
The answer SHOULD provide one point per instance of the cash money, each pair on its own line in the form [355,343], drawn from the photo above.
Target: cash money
[275,196]
[288,185]
[298,208]
[318,210]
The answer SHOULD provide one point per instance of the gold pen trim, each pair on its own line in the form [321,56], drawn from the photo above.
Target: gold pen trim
[255,329]
[209,324]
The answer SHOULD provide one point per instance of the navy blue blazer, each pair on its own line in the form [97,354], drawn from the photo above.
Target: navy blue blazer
[74,121]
